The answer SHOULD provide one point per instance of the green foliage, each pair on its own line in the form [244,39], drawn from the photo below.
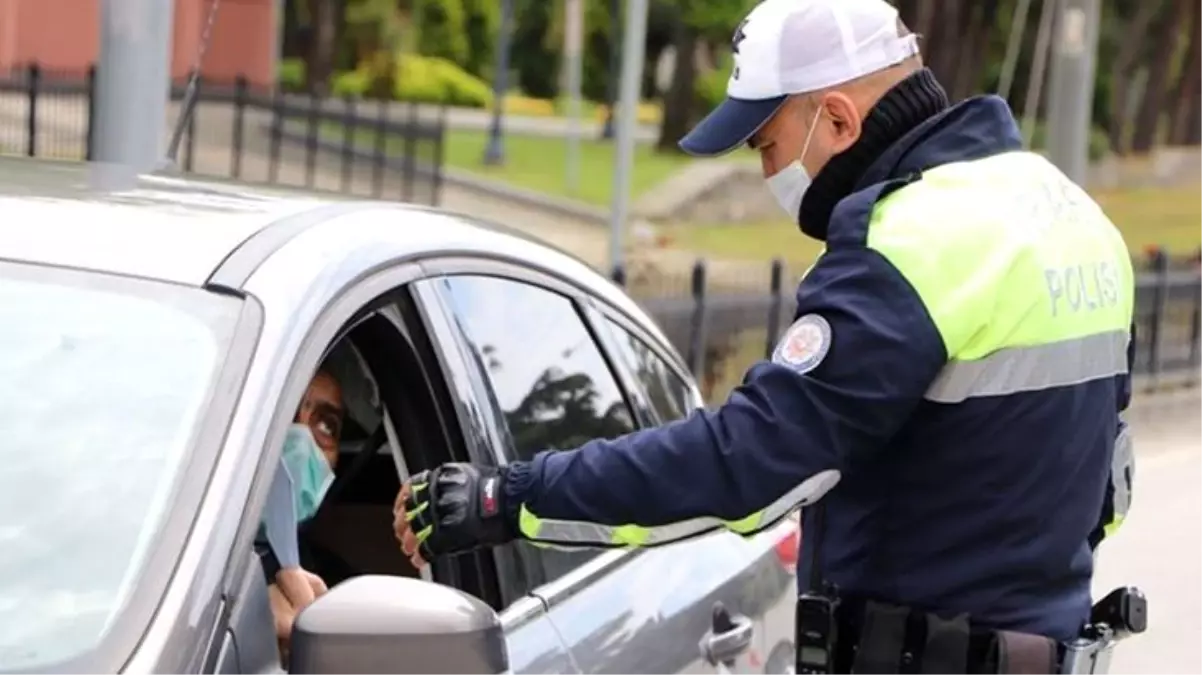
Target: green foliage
[440,29]
[371,26]
[291,74]
[435,80]
[534,57]
[710,87]
[355,83]
[481,26]
[714,20]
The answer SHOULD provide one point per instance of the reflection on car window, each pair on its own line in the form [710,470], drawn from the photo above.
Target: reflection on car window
[671,397]
[548,375]
[100,393]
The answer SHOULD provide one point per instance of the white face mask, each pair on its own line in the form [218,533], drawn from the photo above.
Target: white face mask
[789,185]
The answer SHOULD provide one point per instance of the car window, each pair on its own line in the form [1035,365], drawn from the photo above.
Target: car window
[548,375]
[670,396]
[101,392]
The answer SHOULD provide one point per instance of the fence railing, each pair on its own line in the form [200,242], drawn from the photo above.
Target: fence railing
[706,325]
[382,149]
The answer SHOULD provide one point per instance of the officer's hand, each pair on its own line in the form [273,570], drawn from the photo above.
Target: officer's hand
[450,509]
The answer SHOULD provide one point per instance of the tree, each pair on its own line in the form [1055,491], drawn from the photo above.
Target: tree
[441,29]
[1147,121]
[1185,127]
[693,21]
[319,64]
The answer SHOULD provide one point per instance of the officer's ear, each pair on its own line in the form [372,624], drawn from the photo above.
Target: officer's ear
[845,120]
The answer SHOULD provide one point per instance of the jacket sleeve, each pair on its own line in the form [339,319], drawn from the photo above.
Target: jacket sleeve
[1119,490]
[848,373]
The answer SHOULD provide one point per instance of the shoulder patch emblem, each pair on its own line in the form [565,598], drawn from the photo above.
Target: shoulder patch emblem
[804,344]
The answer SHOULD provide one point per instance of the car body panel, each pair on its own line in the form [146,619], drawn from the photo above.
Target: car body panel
[298,291]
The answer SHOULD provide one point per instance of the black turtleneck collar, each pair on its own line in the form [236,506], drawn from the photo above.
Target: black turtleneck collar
[908,104]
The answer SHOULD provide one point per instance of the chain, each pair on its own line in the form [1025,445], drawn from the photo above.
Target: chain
[188,104]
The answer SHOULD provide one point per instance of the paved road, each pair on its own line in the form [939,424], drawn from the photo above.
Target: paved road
[1159,548]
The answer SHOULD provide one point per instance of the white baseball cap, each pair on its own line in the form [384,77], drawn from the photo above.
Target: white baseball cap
[787,47]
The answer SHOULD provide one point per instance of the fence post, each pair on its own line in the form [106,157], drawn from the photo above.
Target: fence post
[89,148]
[774,290]
[311,139]
[240,95]
[618,274]
[277,123]
[377,159]
[409,151]
[1160,292]
[190,148]
[696,355]
[32,85]
[439,153]
[348,141]
[1195,322]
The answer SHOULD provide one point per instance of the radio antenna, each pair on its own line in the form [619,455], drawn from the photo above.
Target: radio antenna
[188,105]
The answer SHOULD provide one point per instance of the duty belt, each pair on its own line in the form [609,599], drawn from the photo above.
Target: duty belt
[837,634]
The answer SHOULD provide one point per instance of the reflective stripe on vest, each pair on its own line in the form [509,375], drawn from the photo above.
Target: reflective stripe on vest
[1031,286]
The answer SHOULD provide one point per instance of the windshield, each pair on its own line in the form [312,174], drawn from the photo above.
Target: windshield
[103,381]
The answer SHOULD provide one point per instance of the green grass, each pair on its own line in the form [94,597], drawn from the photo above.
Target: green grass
[540,163]
[1147,217]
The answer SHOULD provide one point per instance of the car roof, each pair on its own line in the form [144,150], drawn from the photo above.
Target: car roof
[181,230]
[85,215]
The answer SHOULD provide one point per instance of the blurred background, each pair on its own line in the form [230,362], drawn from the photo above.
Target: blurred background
[503,110]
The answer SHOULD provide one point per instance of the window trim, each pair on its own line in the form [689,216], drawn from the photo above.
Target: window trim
[478,433]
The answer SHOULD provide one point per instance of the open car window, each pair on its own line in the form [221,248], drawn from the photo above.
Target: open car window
[103,384]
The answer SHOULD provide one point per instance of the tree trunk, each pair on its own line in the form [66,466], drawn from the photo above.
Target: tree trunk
[946,41]
[972,55]
[1147,122]
[1189,83]
[320,64]
[924,17]
[679,99]
[1130,47]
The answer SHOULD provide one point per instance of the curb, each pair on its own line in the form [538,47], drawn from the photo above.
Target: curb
[463,179]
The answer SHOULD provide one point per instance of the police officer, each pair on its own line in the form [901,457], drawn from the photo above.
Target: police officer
[950,388]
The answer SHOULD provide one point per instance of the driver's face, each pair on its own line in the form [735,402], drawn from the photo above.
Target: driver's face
[321,410]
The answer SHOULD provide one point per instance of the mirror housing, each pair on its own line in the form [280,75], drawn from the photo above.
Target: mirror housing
[383,624]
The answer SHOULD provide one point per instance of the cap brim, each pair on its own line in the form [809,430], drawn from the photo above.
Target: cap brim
[730,125]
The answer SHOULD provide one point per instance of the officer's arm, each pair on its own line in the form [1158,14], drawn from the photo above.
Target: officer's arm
[1117,500]
[780,441]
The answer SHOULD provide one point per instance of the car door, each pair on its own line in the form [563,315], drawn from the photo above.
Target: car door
[764,564]
[533,644]
[553,386]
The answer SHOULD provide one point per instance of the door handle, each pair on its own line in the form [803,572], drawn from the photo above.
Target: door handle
[729,636]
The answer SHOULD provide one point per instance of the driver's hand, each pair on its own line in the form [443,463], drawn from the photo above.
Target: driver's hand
[293,590]
[451,509]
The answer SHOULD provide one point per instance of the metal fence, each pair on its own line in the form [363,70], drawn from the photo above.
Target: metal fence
[382,149]
[706,324]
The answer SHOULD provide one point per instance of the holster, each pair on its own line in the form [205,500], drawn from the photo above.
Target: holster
[1023,653]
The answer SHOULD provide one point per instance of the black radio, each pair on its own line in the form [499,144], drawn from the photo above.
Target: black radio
[816,633]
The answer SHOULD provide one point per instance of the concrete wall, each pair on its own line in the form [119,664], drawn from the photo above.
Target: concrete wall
[64,35]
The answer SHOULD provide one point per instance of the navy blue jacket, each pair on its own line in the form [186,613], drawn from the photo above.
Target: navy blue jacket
[983,506]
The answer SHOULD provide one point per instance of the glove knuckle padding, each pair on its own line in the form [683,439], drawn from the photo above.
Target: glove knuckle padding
[461,505]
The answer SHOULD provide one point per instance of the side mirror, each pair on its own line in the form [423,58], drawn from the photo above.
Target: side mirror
[382,624]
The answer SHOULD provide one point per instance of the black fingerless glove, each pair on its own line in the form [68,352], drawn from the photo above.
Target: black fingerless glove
[456,508]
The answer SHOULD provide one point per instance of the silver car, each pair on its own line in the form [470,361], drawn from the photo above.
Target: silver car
[155,342]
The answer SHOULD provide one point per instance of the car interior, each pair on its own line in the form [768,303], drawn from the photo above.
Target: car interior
[392,428]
